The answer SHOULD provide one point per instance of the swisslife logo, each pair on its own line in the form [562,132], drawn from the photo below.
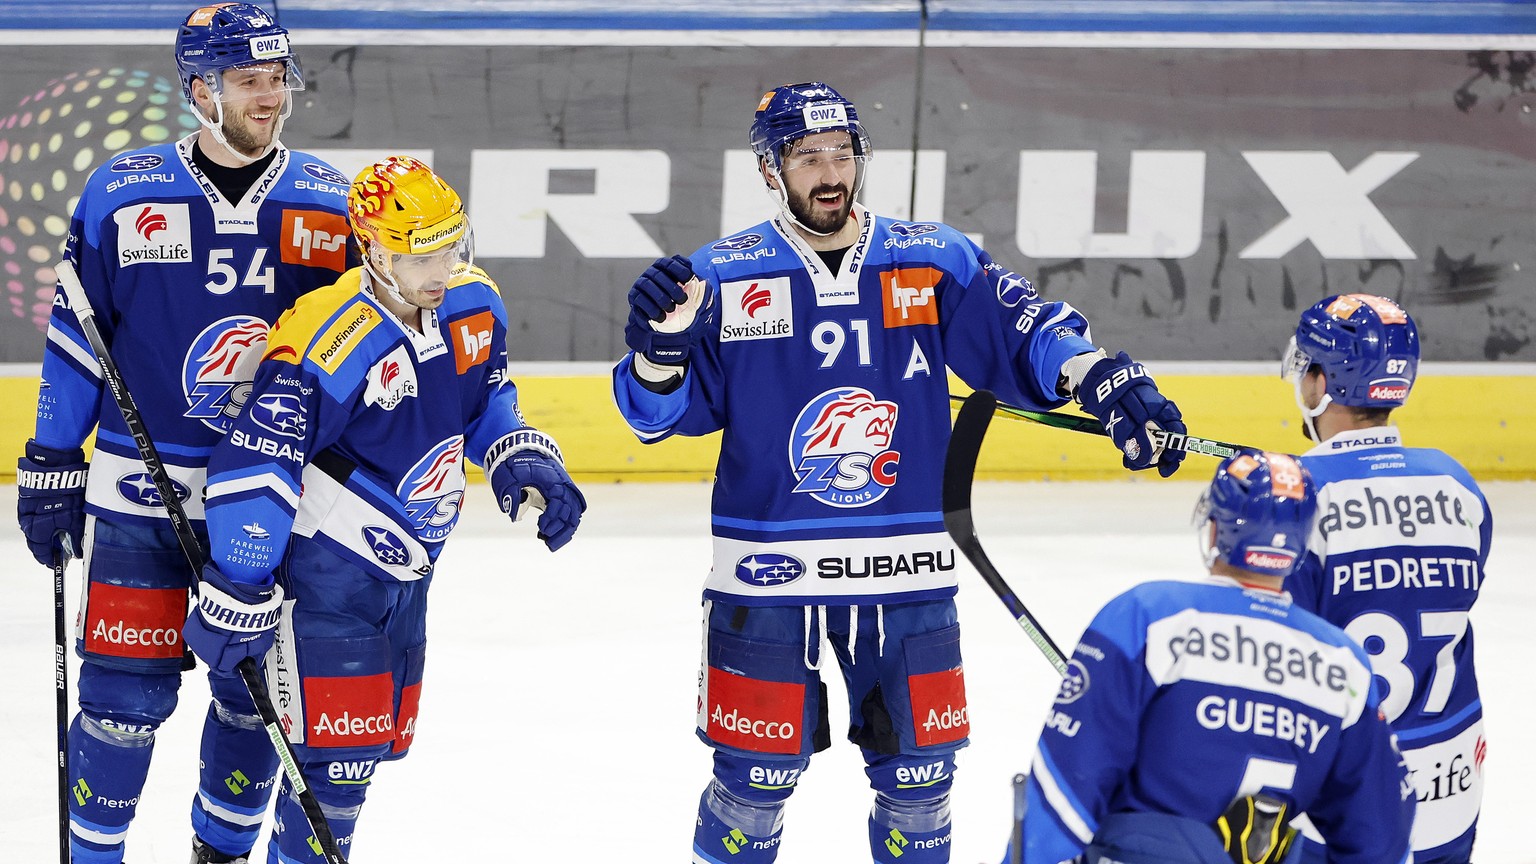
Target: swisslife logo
[391,380]
[756,309]
[153,234]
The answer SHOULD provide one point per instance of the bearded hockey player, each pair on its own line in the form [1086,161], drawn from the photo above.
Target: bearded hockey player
[818,342]
[188,251]
[338,486]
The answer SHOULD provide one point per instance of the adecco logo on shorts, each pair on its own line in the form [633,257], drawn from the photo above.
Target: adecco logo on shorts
[143,623]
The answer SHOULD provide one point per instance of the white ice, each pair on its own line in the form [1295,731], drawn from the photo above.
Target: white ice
[557,716]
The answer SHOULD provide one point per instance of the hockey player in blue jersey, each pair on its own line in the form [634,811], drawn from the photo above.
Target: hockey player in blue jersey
[188,251]
[1185,697]
[335,491]
[1397,555]
[818,342]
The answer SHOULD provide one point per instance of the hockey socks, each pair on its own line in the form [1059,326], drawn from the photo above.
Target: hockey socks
[731,830]
[235,784]
[909,832]
[292,841]
[107,767]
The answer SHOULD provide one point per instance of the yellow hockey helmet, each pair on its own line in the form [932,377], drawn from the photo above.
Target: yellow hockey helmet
[401,205]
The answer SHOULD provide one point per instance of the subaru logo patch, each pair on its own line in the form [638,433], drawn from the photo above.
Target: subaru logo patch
[768,569]
[139,488]
[282,413]
[386,545]
[738,243]
[913,229]
[325,174]
[137,162]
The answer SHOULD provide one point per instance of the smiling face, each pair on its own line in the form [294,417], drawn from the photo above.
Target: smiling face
[252,105]
[819,172]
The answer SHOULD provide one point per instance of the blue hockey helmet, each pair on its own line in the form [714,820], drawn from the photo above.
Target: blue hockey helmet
[1367,346]
[787,114]
[1257,513]
[225,36]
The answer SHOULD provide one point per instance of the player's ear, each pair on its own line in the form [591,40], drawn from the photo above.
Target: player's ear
[768,179]
[202,95]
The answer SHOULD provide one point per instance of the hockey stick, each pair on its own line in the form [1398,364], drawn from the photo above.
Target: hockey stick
[74,292]
[1084,423]
[1016,840]
[61,692]
[959,470]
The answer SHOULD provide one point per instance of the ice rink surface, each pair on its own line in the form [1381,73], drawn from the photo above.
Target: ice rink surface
[557,715]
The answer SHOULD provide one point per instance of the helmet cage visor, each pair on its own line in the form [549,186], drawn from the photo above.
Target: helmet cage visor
[1295,362]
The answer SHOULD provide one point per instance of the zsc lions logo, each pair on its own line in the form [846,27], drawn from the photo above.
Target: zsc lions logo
[839,448]
[433,488]
[913,229]
[325,174]
[216,374]
[139,488]
[137,162]
[768,569]
[738,243]
[282,413]
[386,545]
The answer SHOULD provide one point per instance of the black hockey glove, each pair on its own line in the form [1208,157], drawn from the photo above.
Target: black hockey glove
[50,499]
[1119,392]
[665,320]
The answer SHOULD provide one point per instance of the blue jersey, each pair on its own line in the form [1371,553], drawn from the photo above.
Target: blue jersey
[831,392]
[1396,559]
[184,284]
[372,420]
[1182,697]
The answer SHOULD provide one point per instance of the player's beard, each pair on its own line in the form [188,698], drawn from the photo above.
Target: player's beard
[238,132]
[817,219]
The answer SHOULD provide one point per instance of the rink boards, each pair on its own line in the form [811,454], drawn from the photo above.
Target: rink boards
[1485,420]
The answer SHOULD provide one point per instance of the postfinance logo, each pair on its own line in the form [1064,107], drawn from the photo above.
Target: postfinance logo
[896,843]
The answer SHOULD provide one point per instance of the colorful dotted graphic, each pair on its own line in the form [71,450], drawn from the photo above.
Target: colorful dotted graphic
[47,149]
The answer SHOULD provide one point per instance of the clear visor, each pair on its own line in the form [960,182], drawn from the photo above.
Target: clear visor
[257,80]
[1295,363]
[801,159]
[1205,529]
[425,268]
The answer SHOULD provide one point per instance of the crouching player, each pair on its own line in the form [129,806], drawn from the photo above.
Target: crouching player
[1203,715]
[343,477]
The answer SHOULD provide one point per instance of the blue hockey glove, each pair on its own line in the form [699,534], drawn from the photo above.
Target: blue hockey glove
[232,620]
[1124,397]
[526,470]
[666,321]
[50,499]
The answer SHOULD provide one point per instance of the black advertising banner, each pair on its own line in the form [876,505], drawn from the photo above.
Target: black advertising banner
[1189,200]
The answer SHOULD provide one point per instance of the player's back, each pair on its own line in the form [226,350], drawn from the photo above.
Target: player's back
[1396,560]
[1208,691]
[1249,688]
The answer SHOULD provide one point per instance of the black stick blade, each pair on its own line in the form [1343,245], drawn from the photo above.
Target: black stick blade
[964,446]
